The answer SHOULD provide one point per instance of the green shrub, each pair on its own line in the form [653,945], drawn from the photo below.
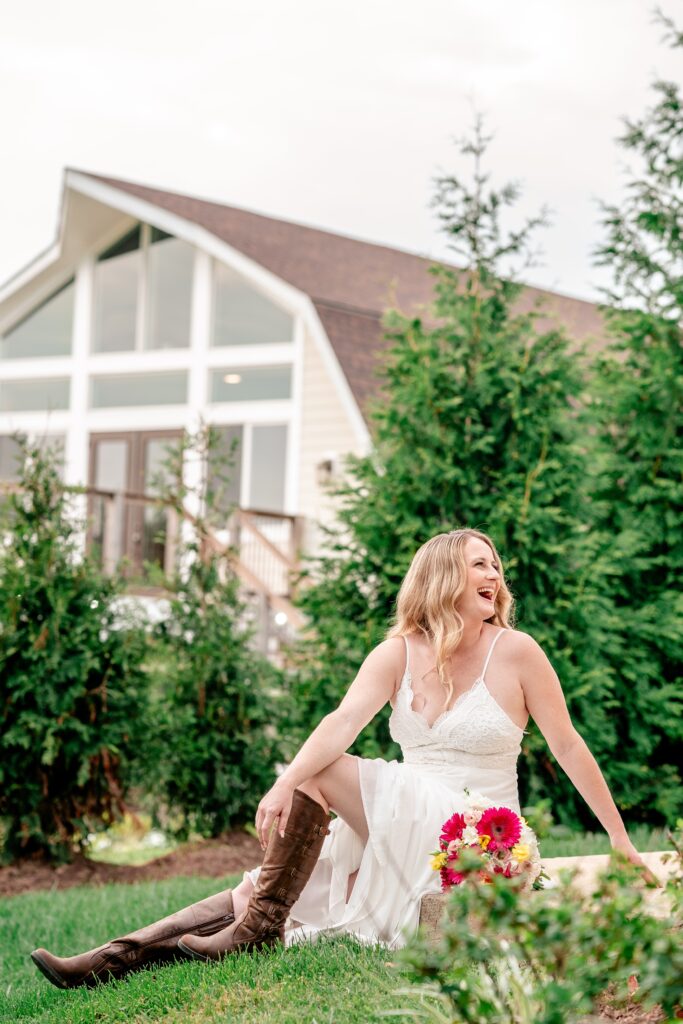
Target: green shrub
[213,739]
[71,687]
[638,410]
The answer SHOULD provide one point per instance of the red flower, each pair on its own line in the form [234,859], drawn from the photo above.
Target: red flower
[503,825]
[452,829]
[449,878]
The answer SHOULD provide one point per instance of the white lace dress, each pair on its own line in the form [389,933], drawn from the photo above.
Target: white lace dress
[473,745]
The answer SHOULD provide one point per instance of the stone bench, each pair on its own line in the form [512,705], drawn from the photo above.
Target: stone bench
[587,868]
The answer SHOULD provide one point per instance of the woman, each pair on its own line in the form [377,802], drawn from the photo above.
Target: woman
[461,683]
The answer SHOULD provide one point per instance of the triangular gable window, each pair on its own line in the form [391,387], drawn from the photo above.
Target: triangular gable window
[46,331]
[244,316]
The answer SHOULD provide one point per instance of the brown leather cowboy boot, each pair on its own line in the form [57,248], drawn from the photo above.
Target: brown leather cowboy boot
[286,868]
[155,944]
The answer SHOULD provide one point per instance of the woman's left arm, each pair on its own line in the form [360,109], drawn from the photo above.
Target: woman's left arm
[547,706]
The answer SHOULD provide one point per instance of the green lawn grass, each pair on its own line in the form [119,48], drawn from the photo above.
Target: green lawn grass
[329,982]
[334,981]
[582,844]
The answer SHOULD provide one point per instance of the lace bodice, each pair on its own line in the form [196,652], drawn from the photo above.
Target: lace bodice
[475,733]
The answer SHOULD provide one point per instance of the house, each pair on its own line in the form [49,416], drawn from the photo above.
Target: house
[153,311]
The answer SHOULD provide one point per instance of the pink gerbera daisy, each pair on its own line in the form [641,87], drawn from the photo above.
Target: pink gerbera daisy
[503,825]
[449,878]
[453,828]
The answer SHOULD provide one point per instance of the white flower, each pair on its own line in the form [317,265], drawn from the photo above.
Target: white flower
[477,802]
[470,835]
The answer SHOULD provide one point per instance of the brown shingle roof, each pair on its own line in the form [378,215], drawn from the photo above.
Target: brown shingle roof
[351,282]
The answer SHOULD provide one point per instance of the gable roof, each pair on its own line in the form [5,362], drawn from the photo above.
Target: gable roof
[350,282]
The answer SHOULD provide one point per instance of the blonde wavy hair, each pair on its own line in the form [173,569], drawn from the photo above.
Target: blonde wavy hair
[430,591]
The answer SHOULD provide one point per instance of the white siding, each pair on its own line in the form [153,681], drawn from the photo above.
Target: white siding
[326,431]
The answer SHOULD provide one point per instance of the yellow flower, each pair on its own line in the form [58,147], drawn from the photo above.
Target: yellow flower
[439,860]
[520,852]
[484,841]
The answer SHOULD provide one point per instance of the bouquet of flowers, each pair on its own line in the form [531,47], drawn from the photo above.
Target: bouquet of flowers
[502,839]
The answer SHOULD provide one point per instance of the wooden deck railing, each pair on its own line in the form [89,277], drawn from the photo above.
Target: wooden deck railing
[262,547]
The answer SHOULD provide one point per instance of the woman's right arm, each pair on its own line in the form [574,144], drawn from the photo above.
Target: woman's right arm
[368,693]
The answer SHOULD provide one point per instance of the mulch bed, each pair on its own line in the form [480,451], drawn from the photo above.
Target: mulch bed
[213,858]
[632,1013]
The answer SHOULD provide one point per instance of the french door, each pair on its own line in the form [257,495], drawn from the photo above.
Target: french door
[130,463]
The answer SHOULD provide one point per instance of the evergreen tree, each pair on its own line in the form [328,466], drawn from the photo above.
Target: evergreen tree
[478,425]
[217,704]
[639,485]
[72,693]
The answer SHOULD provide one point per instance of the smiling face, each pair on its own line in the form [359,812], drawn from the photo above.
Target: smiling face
[483,580]
[454,584]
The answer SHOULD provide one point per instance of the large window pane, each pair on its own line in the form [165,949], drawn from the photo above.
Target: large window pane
[109,521]
[268,468]
[117,275]
[111,465]
[251,383]
[242,315]
[169,291]
[226,471]
[46,331]
[125,389]
[34,395]
[155,517]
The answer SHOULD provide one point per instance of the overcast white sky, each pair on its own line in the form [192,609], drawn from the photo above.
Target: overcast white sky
[333,114]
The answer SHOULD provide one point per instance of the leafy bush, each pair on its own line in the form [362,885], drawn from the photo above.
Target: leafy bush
[638,410]
[213,739]
[71,687]
[508,957]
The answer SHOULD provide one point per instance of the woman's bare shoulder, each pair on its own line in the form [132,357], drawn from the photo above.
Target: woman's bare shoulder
[390,652]
[386,662]
[521,645]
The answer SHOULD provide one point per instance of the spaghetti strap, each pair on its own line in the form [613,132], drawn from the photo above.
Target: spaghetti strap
[488,656]
[405,678]
[406,670]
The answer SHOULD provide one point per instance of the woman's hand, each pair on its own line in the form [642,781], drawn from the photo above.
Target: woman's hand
[622,844]
[276,804]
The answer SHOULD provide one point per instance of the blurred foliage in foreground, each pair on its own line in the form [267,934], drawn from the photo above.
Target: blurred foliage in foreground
[548,957]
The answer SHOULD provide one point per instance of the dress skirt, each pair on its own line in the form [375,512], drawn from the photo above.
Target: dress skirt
[405,807]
